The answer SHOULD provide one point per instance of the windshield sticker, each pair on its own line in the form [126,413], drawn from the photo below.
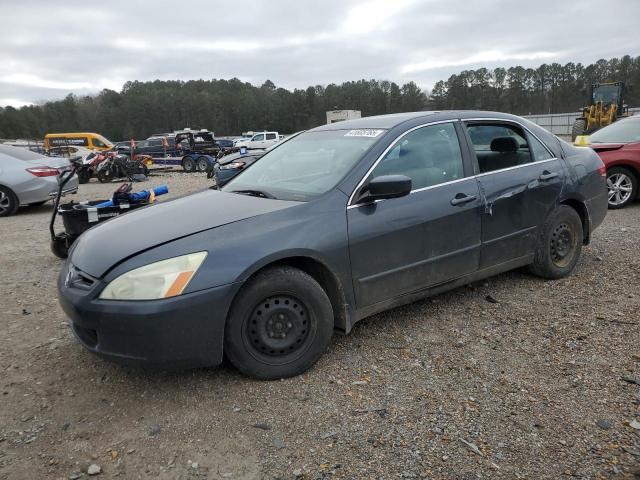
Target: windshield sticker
[363,133]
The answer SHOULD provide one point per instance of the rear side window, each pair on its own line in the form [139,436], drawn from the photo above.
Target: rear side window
[429,156]
[499,146]
[271,136]
[538,150]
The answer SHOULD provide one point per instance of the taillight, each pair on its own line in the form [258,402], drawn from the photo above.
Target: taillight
[43,171]
[602,170]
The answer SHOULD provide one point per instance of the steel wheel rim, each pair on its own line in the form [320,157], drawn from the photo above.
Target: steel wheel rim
[278,327]
[620,188]
[189,164]
[5,202]
[563,245]
[203,164]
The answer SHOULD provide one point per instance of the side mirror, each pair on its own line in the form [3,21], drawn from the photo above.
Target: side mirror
[385,186]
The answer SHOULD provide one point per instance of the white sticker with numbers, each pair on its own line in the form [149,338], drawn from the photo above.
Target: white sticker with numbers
[365,132]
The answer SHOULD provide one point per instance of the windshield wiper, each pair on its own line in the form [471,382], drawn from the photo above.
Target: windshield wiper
[254,193]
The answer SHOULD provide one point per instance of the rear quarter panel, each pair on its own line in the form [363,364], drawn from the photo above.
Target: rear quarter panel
[585,182]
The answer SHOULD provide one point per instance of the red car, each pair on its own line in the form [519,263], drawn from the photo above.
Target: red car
[619,148]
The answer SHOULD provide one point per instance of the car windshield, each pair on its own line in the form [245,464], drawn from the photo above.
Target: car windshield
[625,131]
[606,94]
[105,142]
[306,166]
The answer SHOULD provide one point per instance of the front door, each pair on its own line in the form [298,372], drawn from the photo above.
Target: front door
[402,245]
[520,180]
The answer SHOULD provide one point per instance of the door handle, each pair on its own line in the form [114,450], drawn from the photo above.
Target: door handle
[462,198]
[546,175]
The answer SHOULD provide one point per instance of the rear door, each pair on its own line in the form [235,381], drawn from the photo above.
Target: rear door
[402,245]
[520,180]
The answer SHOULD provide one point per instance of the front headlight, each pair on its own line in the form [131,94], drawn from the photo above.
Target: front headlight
[163,279]
[231,165]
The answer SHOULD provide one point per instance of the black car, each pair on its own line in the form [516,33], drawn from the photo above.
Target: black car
[232,164]
[341,222]
[152,146]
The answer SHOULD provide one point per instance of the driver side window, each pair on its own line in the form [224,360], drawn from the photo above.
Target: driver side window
[258,138]
[429,156]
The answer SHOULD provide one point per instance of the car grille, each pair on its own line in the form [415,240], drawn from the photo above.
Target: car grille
[76,278]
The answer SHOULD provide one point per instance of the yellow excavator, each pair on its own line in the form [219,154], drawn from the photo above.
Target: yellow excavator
[606,106]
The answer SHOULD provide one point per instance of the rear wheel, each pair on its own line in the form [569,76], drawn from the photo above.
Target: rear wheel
[203,164]
[84,176]
[105,175]
[579,128]
[559,244]
[280,324]
[188,164]
[622,186]
[8,202]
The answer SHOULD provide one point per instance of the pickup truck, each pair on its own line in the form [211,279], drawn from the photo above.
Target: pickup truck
[259,140]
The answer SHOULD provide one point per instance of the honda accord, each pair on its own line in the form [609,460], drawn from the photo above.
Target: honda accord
[337,224]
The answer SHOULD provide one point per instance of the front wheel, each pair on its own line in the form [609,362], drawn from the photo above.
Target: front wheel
[188,164]
[559,244]
[279,325]
[622,187]
[579,128]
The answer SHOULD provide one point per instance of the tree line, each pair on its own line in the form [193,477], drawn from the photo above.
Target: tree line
[550,88]
[229,107]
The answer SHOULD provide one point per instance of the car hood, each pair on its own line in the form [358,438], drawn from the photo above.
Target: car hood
[607,147]
[109,243]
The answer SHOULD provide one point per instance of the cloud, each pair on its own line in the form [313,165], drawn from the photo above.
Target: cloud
[295,44]
[485,57]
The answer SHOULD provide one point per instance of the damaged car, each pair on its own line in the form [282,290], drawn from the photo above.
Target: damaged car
[344,221]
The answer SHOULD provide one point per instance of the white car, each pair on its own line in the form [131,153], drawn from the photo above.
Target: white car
[260,140]
[70,151]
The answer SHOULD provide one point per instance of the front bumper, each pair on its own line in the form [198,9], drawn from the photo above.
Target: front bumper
[180,332]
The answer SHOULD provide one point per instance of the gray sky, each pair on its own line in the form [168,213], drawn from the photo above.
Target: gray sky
[50,48]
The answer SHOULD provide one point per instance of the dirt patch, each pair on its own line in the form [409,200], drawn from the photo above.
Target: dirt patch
[536,381]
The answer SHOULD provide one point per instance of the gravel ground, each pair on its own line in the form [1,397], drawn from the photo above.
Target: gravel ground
[512,377]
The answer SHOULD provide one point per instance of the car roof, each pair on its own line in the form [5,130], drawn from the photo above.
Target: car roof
[394,119]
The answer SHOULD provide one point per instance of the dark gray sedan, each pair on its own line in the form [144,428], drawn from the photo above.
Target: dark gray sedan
[344,221]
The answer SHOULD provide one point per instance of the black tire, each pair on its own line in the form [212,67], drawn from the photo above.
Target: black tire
[203,163]
[188,164]
[559,245]
[105,175]
[84,176]
[579,128]
[622,186]
[60,246]
[8,202]
[291,337]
